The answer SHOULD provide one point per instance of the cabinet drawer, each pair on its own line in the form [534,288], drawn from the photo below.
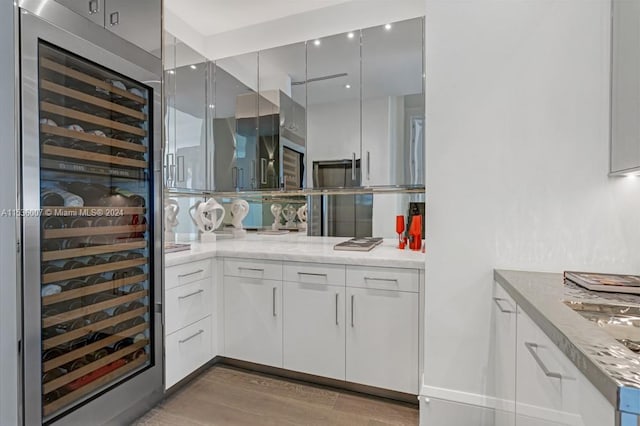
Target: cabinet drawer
[314,273]
[252,268]
[187,273]
[383,278]
[187,350]
[187,304]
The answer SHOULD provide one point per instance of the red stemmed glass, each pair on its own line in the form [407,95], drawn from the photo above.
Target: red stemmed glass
[400,230]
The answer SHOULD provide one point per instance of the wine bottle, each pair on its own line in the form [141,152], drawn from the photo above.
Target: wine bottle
[51,245]
[69,199]
[50,290]
[96,260]
[51,199]
[50,268]
[73,264]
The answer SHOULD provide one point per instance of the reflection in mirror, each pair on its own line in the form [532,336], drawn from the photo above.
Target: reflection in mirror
[333,111]
[185,116]
[235,123]
[282,138]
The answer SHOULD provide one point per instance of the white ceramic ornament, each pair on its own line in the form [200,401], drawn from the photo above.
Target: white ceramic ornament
[171,210]
[276,211]
[205,216]
[289,214]
[239,210]
[302,217]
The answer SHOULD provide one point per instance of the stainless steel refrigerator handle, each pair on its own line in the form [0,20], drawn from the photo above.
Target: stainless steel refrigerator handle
[497,301]
[199,332]
[94,7]
[180,161]
[353,166]
[191,294]
[191,273]
[263,170]
[368,164]
[114,18]
[234,177]
[337,294]
[274,301]
[352,300]
[531,347]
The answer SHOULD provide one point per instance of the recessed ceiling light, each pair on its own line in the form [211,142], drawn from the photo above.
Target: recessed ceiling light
[387,27]
[316,42]
[347,86]
[212,106]
[351,35]
[193,67]
[172,72]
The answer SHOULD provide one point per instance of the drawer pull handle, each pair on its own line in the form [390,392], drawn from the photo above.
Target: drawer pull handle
[531,347]
[191,337]
[497,301]
[274,301]
[191,294]
[312,274]
[191,273]
[242,268]
[390,280]
[352,300]
[337,308]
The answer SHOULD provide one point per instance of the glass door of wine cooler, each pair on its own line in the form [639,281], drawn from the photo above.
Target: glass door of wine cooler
[90,257]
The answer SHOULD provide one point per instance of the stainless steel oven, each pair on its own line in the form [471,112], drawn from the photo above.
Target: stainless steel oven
[91,252]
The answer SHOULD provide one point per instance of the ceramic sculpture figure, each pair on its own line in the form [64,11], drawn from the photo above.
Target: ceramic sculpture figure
[239,210]
[276,211]
[171,210]
[302,217]
[207,216]
[289,214]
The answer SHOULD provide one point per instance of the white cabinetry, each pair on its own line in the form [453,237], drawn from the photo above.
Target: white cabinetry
[504,357]
[253,311]
[190,332]
[314,319]
[535,383]
[382,342]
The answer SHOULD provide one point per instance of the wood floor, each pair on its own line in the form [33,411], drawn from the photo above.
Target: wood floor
[228,396]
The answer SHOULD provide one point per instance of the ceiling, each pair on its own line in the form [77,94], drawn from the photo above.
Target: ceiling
[209,17]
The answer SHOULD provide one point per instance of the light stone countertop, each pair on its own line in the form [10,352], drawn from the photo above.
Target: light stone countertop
[299,248]
[612,368]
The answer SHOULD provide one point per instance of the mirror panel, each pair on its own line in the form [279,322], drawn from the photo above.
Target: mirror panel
[282,108]
[235,123]
[333,111]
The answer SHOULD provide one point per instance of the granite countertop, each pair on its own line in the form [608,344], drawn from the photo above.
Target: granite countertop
[299,248]
[612,368]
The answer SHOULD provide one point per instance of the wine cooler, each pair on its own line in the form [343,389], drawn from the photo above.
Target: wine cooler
[92,334]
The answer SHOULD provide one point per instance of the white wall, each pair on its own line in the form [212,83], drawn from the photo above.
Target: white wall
[517,162]
[310,25]
[8,173]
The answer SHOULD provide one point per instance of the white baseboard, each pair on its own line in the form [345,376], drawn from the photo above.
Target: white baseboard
[468,398]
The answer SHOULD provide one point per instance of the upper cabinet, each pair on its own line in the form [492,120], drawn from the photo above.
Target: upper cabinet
[393,104]
[333,110]
[346,110]
[625,88]
[186,111]
[139,21]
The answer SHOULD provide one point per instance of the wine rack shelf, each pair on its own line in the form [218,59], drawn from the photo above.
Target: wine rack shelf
[92,156]
[69,336]
[84,78]
[98,230]
[93,366]
[53,277]
[93,289]
[91,119]
[90,387]
[88,137]
[92,251]
[81,96]
[90,309]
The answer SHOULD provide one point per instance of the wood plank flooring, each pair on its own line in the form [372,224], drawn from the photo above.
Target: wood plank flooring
[226,395]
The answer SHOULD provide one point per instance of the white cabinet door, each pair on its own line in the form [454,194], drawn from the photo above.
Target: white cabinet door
[187,350]
[547,383]
[382,339]
[314,329]
[253,320]
[504,357]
